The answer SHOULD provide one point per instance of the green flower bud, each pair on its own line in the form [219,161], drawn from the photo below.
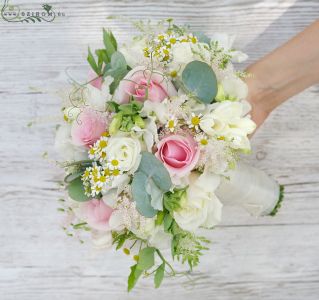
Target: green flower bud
[220,93]
[139,121]
[115,124]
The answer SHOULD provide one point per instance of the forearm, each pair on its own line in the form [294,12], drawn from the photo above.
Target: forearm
[284,72]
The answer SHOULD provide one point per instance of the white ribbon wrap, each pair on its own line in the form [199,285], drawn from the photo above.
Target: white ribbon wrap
[250,188]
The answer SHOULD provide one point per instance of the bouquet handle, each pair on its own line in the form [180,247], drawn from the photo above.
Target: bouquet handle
[251,189]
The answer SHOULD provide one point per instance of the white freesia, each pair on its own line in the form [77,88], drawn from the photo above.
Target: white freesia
[182,53]
[159,109]
[96,98]
[154,234]
[200,207]
[133,53]
[126,151]
[160,239]
[64,146]
[234,88]
[149,134]
[226,41]
[228,120]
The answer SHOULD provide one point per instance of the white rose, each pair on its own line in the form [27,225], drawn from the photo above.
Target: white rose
[200,207]
[126,151]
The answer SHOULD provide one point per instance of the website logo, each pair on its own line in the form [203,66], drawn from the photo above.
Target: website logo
[21,14]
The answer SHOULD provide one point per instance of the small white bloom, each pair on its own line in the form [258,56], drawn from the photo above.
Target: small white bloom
[200,207]
[171,124]
[96,98]
[234,88]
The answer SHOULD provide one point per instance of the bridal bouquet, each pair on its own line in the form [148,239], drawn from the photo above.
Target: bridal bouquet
[151,146]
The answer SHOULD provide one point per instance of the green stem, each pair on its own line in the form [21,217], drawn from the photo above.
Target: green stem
[166,262]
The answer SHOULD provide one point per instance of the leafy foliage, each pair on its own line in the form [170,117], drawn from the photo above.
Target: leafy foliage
[159,275]
[172,199]
[200,80]
[151,173]
[146,258]
[133,277]
[127,116]
[76,190]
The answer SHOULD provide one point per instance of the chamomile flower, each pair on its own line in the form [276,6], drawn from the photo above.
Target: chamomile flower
[97,152]
[194,121]
[171,124]
[202,139]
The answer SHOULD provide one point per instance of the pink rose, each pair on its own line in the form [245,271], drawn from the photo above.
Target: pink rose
[97,214]
[88,128]
[144,85]
[95,80]
[179,153]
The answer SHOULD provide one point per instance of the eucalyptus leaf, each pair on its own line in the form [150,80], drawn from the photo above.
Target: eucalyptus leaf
[200,80]
[149,184]
[76,190]
[156,194]
[72,176]
[141,197]
[154,168]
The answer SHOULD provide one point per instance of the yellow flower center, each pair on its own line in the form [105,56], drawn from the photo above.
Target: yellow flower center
[171,124]
[103,144]
[173,74]
[116,172]
[114,162]
[172,41]
[204,142]
[195,120]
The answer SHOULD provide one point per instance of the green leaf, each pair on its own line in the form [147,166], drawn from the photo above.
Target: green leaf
[200,80]
[141,197]
[117,68]
[133,277]
[102,57]
[159,275]
[168,220]
[154,168]
[92,62]
[109,42]
[146,258]
[156,194]
[72,176]
[159,218]
[202,37]
[149,183]
[76,190]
